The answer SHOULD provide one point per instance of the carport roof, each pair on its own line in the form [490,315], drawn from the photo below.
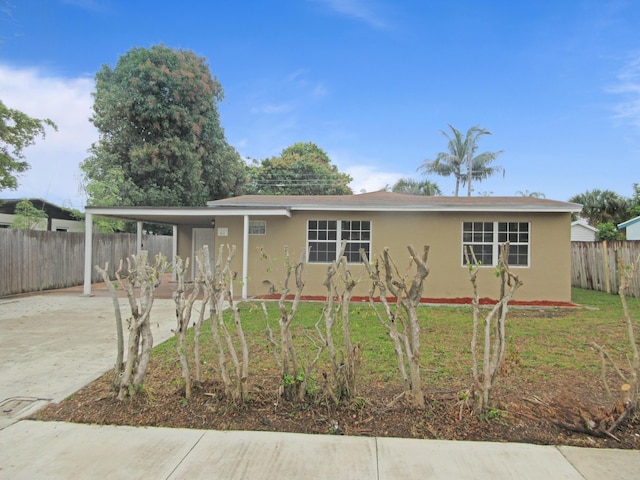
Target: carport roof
[180,215]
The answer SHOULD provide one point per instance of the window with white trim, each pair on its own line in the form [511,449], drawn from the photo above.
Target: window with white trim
[257,227]
[485,238]
[325,237]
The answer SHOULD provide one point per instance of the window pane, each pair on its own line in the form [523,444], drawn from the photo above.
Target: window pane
[518,255]
[321,241]
[357,234]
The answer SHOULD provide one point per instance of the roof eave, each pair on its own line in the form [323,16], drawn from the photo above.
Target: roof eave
[628,223]
[439,208]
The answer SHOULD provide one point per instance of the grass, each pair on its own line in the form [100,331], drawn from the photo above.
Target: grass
[542,344]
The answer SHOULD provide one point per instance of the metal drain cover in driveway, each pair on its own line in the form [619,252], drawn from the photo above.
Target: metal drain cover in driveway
[14,408]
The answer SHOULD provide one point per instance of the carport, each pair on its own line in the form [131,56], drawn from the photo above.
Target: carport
[203,217]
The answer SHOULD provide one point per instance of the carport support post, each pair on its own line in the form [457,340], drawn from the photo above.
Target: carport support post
[88,251]
[245,257]
[174,252]
[138,237]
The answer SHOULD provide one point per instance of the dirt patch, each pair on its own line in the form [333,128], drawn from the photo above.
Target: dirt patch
[526,412]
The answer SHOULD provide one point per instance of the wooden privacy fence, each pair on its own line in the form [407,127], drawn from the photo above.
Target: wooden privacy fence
[594,265]
[32,261]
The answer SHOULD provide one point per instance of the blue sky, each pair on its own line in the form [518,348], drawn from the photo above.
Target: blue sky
[372,82]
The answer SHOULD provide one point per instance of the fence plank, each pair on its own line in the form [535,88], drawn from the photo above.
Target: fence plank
[594,265]
[32,261]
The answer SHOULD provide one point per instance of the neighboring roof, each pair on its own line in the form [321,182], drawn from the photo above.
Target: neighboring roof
[389,201]
[8,206]
[628,223]
[583,223]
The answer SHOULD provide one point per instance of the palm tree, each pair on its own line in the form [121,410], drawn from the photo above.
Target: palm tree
[602,206]
[527,193]
[461,154]
[416,187]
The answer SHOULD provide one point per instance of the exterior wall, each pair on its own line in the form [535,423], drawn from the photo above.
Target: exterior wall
[580,233]
[548,276]
[633,231]
[6,219]
[68,225]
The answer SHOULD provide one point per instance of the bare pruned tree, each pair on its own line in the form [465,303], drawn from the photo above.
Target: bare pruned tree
[130,379]
[235,377]
[296,368]
[628,401]
[185,299]
[493,334]
[401,320]
[340,283]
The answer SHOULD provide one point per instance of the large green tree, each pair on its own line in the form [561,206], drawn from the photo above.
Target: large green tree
[17,131]
[416,187]
[461,159]
[301,169]
[160,138]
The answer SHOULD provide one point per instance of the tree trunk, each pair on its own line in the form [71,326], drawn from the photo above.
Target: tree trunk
[117,371]
[494,336]
[407,343]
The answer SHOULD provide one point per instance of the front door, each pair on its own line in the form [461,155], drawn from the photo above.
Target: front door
[202,237]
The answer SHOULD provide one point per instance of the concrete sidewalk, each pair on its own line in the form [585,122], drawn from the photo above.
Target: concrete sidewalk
[53,344]
[50,450]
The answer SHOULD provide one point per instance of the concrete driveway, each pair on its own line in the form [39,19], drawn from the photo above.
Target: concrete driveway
[55,343]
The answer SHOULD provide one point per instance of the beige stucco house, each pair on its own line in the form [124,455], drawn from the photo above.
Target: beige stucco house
[261,226]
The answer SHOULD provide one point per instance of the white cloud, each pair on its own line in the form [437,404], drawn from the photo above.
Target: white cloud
[89,5]
[362,10]
[367,178]
[273,108]
[54,160]
[628,86]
